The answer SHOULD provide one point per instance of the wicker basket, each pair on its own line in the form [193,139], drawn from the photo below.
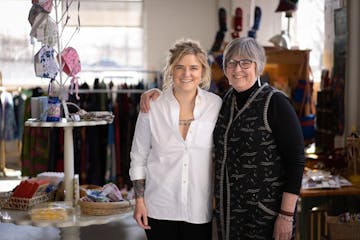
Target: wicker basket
[27,203]
[105,208]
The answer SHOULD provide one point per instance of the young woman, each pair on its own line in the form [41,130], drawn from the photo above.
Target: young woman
[171,164]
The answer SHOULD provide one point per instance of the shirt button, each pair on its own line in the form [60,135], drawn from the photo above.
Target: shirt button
[185,164]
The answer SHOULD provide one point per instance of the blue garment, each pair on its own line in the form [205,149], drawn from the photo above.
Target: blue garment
[7,118]
[19,109]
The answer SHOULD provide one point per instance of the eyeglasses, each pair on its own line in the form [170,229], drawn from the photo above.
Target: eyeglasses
[243,63]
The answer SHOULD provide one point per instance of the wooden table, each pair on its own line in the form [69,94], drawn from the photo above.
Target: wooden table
[343,191]
[310,198]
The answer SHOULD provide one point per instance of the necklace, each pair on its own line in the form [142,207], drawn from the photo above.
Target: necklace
[187,122]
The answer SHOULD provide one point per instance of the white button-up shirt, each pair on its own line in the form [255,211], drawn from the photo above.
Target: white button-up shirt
[177,172]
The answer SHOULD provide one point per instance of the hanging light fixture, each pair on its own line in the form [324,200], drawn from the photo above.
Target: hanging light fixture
[283,39]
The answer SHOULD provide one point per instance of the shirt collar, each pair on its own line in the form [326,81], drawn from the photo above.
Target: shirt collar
[169,95]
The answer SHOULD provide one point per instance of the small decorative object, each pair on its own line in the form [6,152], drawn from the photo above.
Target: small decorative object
[71,66]
[54,113]
[353,157]
[281,40]
[45,64]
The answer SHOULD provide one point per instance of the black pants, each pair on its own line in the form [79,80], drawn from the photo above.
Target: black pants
[178,230]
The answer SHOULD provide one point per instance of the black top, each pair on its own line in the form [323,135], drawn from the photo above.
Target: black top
[286,129]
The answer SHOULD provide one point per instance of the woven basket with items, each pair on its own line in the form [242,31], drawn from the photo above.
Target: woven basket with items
[29,193]
[106,200]
[27,203]
[106,208]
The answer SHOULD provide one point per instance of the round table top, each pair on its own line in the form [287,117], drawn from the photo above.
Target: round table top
[32,122]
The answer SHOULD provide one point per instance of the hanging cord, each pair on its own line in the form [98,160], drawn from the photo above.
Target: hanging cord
[66,12]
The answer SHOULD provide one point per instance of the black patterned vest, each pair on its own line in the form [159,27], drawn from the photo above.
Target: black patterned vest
[249,171]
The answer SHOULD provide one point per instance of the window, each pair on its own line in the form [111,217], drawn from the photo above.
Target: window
[15,48]
[110,36]
[308,31]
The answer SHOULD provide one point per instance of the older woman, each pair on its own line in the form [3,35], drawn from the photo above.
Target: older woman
[259,151]
[171,165]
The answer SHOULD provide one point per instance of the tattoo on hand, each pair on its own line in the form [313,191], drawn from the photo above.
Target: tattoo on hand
[139,188]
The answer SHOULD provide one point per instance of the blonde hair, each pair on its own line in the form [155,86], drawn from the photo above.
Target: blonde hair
[176,52]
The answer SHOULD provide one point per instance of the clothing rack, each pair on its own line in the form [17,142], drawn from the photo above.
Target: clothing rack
[120,70]
[2,141]
[111,91]
[110,73]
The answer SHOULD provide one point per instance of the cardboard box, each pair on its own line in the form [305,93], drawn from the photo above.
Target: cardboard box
[342,231]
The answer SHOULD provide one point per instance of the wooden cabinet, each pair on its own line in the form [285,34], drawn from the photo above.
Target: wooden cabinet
[286,67]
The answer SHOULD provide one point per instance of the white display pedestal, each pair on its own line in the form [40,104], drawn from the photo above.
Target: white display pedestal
[68,148]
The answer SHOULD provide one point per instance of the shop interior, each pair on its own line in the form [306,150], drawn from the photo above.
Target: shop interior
[75,125]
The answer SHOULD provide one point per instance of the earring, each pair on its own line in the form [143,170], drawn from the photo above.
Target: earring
[259,82]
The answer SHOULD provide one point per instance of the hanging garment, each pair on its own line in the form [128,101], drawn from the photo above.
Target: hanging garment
[8,125]
[19,108]
[35,147]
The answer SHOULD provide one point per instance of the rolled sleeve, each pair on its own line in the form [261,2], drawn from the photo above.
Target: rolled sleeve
[140,148]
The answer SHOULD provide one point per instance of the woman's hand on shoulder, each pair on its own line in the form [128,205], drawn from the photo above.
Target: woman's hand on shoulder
[151,94]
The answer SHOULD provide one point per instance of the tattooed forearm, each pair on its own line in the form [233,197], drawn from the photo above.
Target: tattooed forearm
[139,188]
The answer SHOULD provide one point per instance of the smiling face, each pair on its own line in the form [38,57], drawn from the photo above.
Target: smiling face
[187,74]
[240,78]
[236,61]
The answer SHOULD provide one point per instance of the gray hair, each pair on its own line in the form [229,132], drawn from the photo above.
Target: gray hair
[246,47]
[177,51]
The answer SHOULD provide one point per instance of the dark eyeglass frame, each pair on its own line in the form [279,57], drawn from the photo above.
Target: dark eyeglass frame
[243,63]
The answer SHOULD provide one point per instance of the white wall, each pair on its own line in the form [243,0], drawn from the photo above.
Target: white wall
[270,23]
[168,20]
